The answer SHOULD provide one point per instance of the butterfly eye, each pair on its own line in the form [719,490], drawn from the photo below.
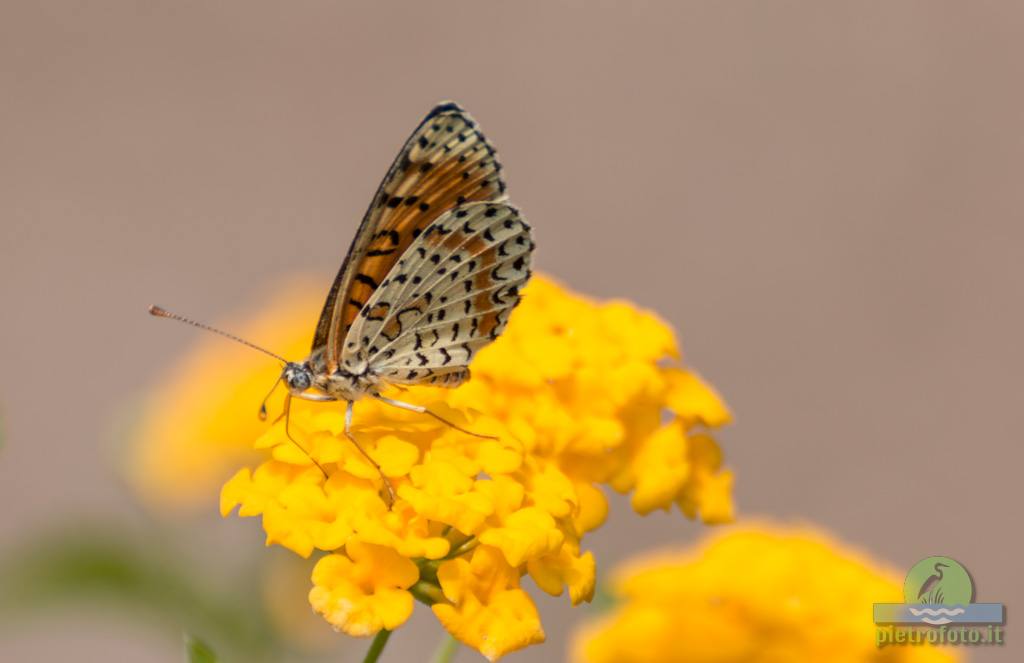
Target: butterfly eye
[297,377]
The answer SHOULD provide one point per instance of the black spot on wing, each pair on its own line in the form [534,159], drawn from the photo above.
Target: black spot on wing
[368,280]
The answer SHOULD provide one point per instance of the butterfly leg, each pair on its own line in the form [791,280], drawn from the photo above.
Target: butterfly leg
[287,431]
[349,410]
[422,410]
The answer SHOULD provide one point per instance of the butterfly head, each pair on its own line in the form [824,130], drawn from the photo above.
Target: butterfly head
[298,377]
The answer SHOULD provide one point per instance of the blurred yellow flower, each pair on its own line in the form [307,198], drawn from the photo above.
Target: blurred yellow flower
[199,424]
[756,594]
[579,394]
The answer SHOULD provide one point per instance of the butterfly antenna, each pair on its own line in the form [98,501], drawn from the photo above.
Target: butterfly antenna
[163,313]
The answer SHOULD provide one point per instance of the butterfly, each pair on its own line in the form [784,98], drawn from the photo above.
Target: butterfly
[436,267]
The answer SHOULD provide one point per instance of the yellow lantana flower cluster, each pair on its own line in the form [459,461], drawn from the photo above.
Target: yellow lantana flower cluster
[577,393]
[756,594]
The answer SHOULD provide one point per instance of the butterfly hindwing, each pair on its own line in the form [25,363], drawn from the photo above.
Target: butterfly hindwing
[448,296]
[446,162]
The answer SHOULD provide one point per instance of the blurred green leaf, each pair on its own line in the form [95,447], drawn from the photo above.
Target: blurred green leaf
[103,564]
[198,651]
[605,599]
[446,651]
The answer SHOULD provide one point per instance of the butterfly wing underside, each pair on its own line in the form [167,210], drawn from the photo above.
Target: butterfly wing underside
[446,162]
[448,296]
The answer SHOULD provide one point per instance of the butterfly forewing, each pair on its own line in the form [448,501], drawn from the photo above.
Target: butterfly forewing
[449,295]
[446,162]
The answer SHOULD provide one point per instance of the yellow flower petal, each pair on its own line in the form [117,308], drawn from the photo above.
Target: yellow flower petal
[553,491]
[694,400]
[566,568]
[593,508]
[505,495]
[488,611]
[525,534]
[661,469]
[403,529]
[711,496]
[709,491]
[441,492]
[364,591]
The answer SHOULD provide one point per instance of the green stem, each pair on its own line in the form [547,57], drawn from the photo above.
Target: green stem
[377,646]
[446,650]
[463,548]
[427,593]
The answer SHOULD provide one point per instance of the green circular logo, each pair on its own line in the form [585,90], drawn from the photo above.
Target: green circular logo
[938,580]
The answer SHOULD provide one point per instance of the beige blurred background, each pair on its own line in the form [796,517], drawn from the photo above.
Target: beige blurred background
[825,198]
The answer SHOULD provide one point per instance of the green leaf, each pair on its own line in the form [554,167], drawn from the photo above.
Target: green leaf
[605,600]
[198,651]
[446,650]
[103,565]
